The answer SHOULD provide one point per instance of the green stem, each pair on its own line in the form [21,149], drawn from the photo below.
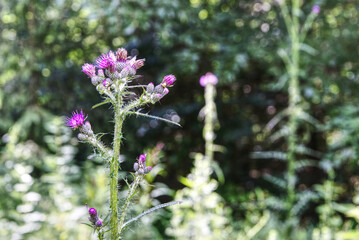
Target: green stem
[119,119]
[100,147]
[210,118]
[130,194]
[294,101]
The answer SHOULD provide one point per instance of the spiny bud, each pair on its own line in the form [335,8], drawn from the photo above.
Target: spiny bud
[159,89]
[156,97]
[86,128]
[106,82]
[148,169]
[150,88]
[99,223]
[82,137]
[96,80]
[125,72]
[135,166]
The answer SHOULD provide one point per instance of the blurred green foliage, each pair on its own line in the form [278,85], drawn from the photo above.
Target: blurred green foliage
[45,176]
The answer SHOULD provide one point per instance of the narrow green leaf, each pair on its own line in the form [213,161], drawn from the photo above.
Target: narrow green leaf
[101,103]
[154,117]
[150,211]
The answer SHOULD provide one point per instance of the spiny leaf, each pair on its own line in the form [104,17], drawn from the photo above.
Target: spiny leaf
[154,117]
[150,211]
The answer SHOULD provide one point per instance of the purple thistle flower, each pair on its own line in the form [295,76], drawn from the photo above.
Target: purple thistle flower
[142,158]
[92,212]
[99,223]
[139,63]
[89,70]
[209,78]
[107,61]
[316,9]
[168,81]
[76,120]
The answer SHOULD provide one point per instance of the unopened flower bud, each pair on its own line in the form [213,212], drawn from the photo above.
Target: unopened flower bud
[120,65]
[150,88]
[86,128]
[156,97]
[148,169]
[100,73]
[99,223]
[140,171]
[135,166]
[96,80]
[159,89]
[131,72]
[100,88]
[82,137]
[106,82]
[125,72]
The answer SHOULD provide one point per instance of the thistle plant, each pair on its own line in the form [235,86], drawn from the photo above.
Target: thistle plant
[112,75]
[297,34]
[202,214]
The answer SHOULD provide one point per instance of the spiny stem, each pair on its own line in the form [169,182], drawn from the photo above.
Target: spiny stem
[130,194]
[119,119]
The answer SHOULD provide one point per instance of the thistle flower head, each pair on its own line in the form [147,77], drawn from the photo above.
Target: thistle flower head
[121,54]
[140,165]
[89,70]
[107,61]
[168,80]
[316,9]
[92,212]
[76,120]
[209,78]
[139,63]
[142,158]
[99,223]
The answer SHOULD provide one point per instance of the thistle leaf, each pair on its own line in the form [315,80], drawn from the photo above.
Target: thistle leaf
[101,103]
[150,211]
[154,117]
